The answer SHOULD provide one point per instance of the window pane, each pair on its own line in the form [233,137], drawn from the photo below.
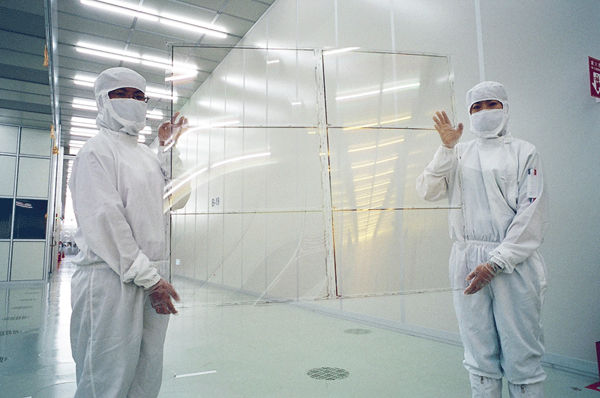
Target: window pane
[30,219]
[33,177]
[4,248]
[5,217]
[27,261]
[7,177]
[8,138]
[35,142]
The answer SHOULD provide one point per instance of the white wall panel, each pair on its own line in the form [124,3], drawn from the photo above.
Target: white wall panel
[4,253]
[7,177]
[27,261]
[35,142]
[8,138]
[33,177]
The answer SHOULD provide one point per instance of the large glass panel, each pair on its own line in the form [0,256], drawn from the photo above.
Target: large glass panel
[9,136]
[7,177]
[4,253]
[6,211]
[35,142]
[252,87]
[30,219]
[33,177]
[27,261]
[378,168]
[367,89]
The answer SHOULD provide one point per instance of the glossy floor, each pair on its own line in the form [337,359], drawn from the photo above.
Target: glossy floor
[223,344]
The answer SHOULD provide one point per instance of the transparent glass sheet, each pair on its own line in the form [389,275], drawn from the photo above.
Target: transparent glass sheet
[378,168]
[301,168]
[251,87]
[252,160]
[366,89]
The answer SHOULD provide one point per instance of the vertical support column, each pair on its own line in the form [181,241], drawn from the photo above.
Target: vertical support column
[323,131]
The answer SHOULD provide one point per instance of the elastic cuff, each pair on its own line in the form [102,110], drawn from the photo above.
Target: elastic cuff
[141,272]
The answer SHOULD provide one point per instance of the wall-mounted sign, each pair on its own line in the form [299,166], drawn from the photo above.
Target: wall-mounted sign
[595,77]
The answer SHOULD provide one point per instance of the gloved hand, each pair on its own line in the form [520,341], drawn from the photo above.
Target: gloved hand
[481,276]
[447,132]
[160,297]
[169,131]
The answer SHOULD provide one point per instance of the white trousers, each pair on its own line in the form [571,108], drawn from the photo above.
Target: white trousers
[500,325]
[116,336]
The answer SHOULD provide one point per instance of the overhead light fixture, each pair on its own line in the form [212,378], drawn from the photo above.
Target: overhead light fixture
[340,50]
[85,104]
[148,14]
[76,144]
[399,87]
[123,8]
[272,61]
[136,58]
[83,132]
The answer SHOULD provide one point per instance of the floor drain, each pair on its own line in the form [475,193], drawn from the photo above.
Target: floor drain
[327,373]
[357,331]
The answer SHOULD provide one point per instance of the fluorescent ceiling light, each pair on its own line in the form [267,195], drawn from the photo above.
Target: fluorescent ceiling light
[406,86]
[340,50]
[122,8]
[154,16]
[83,132]
[75,143]
[272,61]
[83,120]
[133,57]
[177,21]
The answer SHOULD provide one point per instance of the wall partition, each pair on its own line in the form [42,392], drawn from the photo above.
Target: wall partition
[25,164]
[302,164]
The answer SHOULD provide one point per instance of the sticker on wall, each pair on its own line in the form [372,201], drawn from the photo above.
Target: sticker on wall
[15,318]
[594,77]
[9,332]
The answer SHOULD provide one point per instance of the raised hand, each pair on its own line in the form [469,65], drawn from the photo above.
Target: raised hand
[447,132]
[170,131]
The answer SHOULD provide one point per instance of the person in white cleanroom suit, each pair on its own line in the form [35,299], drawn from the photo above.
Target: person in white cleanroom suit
[119,293]
[495,189]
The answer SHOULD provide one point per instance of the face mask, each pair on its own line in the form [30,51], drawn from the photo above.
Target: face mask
[130,113]
[488,123]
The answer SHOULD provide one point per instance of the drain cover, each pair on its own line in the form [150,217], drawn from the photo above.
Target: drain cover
[357,331]
[327,373]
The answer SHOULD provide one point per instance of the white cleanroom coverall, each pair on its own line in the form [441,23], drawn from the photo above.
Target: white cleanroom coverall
[495,189]
[117,189]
